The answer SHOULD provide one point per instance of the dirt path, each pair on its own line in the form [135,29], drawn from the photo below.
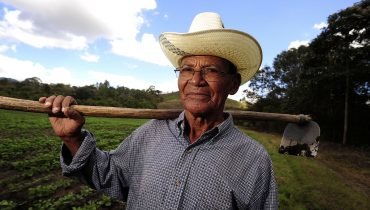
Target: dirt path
[353,164]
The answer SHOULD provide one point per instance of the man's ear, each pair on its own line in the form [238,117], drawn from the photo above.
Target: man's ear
[235,83]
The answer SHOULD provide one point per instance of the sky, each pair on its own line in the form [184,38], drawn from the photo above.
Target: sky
[83,42]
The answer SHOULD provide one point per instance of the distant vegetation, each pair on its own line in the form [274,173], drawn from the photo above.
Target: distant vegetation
[100,94]
[328,79]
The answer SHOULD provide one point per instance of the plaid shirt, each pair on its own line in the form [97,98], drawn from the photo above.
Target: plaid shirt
[157,168]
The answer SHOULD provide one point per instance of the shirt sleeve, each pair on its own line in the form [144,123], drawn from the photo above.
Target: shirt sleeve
[265,190]
[97,168]
[271,201]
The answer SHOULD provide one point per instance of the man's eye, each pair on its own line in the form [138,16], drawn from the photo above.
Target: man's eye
[186,70]
[211,70]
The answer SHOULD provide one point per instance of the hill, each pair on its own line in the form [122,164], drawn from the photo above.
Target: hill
[8,80]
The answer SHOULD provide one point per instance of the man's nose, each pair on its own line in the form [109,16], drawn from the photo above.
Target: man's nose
[198,78]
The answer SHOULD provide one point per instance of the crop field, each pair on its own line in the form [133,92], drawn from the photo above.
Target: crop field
[30,175]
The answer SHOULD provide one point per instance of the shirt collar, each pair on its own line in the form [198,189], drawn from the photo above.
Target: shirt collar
[216,131]
[180,123]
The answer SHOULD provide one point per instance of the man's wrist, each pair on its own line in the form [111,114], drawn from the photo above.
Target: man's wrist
[76,137]
[74,142]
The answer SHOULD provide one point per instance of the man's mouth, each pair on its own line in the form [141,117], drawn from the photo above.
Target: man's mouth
[197,95]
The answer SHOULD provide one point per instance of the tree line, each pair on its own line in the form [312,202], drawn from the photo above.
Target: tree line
[100,94]
[328,79]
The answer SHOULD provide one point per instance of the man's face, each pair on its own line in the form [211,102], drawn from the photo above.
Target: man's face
[199,96]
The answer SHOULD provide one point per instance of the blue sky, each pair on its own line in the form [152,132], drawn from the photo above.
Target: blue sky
[82,42]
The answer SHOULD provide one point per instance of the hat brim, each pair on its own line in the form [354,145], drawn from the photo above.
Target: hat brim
[238,47]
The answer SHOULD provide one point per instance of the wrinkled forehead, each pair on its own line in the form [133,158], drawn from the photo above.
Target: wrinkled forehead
[208,60]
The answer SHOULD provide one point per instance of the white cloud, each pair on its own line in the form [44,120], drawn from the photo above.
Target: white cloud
[90,19]
[13,48]
[74,24]
[240,94]
[23,69]
[18,69]
[168,86]
[58,75]
[89,57]
[116,80]
[320,26]
[353,31]
[12,27]
[147,49]
[362,30]
[356,44]
[4,48]
[297,43]
[339,34]
[356,32]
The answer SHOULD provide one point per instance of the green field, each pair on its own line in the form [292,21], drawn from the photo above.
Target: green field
[30,177]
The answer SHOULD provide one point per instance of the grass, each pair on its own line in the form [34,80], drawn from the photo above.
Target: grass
[29,157]
[31,178]
[308,183]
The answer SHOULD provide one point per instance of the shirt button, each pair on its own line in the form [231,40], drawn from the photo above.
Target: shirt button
[178,182]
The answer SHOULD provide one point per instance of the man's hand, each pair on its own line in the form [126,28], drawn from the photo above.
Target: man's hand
[66,122]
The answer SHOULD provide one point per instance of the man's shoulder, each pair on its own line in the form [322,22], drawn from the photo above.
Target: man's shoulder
[246,143]
[154,124]
[153,127]
[242,137]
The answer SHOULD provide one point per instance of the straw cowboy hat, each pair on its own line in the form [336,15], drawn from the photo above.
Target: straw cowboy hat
[207,36]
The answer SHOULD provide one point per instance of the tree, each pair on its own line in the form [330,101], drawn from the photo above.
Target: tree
[329,79]
[345,45]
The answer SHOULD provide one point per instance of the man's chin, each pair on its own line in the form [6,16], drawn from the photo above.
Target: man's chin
[199,110]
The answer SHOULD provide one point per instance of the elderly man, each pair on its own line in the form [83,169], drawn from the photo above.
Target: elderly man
[199,160]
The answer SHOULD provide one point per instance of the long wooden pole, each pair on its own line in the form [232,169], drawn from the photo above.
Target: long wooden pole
[102,111]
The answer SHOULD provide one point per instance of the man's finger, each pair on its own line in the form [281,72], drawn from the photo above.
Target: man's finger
[68,101]
[73,114]
[57,104]
[49,101]
[42,100]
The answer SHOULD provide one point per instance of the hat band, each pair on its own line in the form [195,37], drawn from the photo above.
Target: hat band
[172,48]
